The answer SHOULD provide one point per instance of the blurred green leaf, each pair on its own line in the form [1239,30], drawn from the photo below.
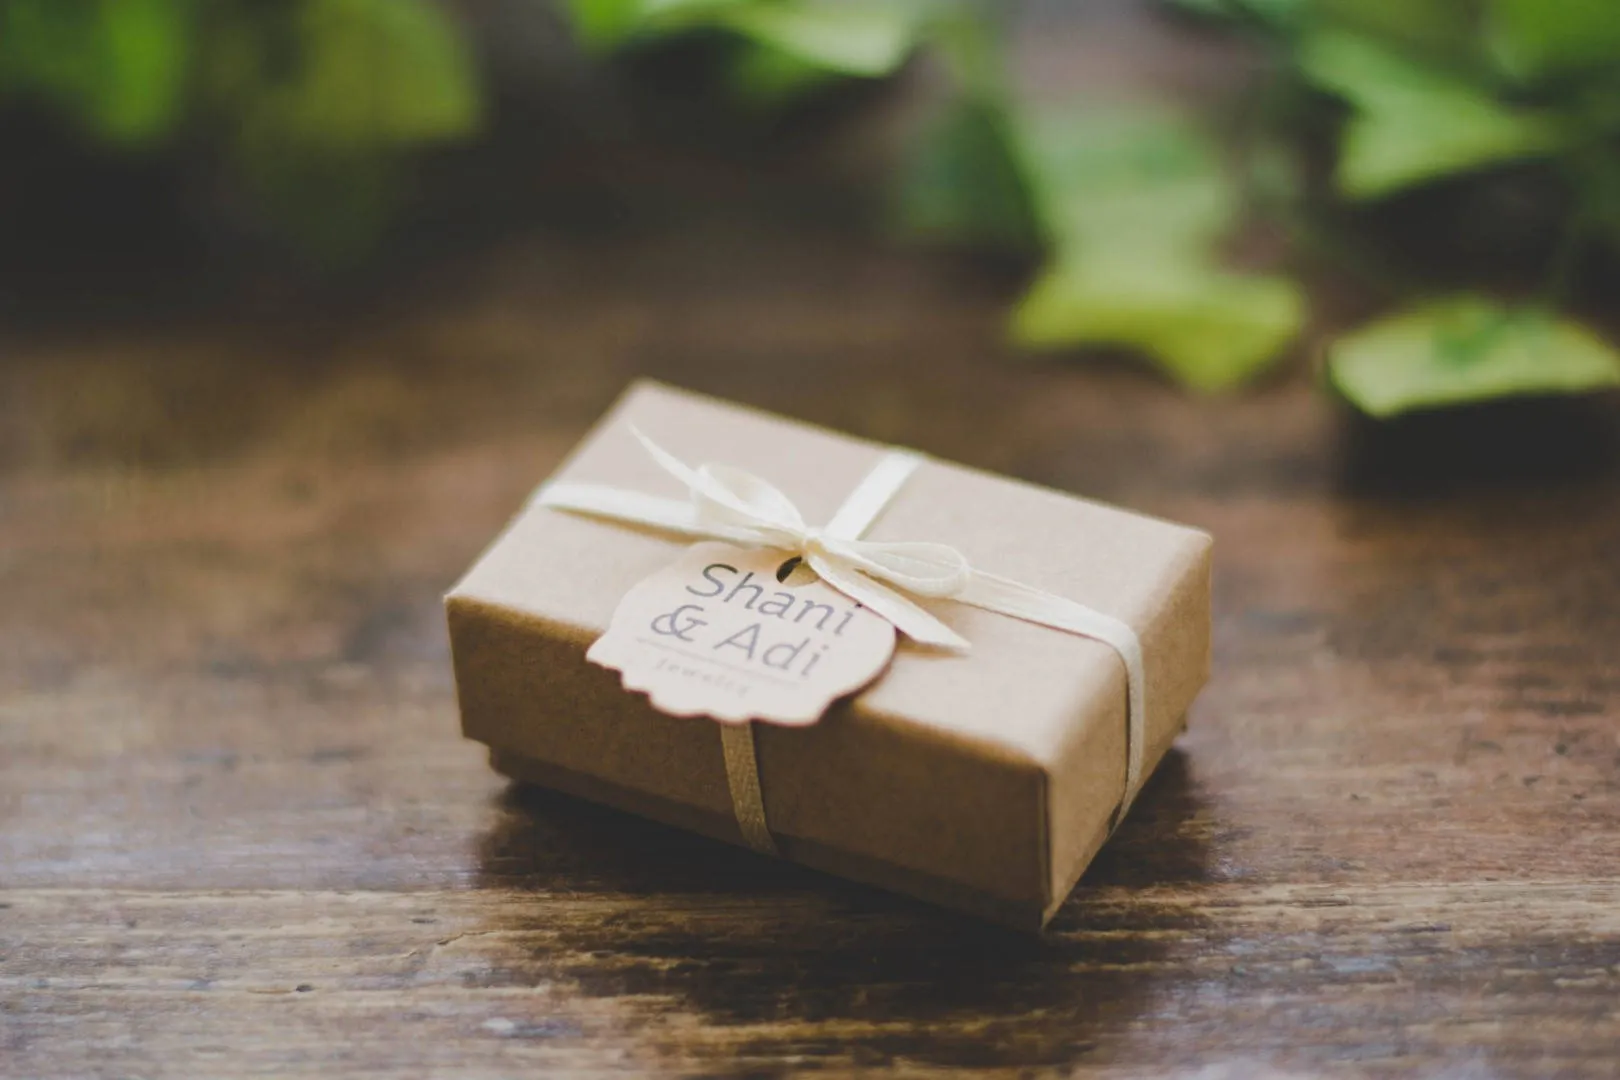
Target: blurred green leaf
[145,52]
[48,47]
[1443,31]
[119,67]
[768,77]
[325,98]
[1596,177]
[1467,350]
[1414,124]
[1209,328]
[1133,204]
[673,10]
[1271,11]
[1124,177]
[371,73]
[604,24]
[1531,38]
[970,48]
[963,184]
[866,38]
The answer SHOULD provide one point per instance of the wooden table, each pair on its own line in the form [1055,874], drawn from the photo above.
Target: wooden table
[240,835]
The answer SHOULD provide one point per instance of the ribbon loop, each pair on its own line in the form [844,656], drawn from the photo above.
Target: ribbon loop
[735,497]
[735,502]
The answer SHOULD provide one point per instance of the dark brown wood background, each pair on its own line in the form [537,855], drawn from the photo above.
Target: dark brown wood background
[239,833]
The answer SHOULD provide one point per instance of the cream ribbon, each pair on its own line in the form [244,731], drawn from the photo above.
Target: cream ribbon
[728,503]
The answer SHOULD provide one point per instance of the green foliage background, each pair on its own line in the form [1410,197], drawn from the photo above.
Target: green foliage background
[1451,92]
[1129,209]
[307,102]
[312,104]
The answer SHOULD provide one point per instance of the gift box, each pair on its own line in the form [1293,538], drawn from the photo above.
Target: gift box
[982,778]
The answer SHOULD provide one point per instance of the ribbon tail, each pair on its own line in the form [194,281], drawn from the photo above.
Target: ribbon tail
[778,511]
[1007,597]
[907,617]
[667,461]
[747,797]
[635,508]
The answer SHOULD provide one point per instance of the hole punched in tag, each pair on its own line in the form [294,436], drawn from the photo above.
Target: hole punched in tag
[794,572]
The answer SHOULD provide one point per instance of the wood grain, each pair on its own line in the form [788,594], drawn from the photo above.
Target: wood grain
[239,834]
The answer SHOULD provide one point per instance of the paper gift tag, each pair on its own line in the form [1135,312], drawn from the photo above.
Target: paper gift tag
[717,634]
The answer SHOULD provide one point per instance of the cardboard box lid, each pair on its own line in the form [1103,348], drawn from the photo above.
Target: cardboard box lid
[998,769]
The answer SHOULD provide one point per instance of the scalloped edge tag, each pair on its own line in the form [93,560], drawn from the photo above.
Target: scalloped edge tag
[717,633]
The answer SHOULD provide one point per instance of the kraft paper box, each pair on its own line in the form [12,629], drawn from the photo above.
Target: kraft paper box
[984,782]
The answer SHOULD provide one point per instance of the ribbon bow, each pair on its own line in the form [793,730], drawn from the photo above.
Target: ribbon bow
[728,503]
[737,505]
